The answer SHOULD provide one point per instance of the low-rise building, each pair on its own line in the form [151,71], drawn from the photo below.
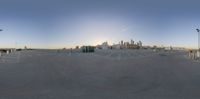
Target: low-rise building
[88,49]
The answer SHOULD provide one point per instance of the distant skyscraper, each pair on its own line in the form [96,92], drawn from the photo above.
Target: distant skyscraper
[132,42]
[122,43]
[140,43]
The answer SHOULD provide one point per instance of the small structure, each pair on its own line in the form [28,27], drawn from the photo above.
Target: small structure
[7,51]
[194,54]
[77,47]
[25,47]
[88,49]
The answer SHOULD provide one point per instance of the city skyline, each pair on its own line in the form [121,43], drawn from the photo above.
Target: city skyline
[68,23]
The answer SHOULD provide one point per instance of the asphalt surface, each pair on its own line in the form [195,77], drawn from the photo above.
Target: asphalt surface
[42,74]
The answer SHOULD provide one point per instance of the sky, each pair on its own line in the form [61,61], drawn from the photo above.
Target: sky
[67,23]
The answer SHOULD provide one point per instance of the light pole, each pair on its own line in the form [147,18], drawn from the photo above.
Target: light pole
[198,39]
[198,51]
[0,31]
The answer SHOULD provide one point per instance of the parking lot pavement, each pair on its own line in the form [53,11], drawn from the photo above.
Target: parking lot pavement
[53,75]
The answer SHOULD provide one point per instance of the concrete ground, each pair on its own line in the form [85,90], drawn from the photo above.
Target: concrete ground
[43,74]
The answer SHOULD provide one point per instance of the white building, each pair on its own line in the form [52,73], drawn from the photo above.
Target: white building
[104,46]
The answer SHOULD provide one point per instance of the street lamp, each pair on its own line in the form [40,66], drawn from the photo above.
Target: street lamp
[198,39]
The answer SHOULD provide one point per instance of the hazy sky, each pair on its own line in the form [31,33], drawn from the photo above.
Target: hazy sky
[66,23]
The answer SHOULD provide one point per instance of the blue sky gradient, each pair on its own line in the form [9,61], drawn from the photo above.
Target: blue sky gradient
[67,23]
